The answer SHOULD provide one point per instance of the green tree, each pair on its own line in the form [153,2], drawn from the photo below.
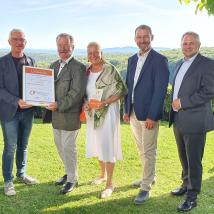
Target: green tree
[201,4]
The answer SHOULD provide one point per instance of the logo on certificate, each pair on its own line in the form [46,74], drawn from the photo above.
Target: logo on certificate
[32,92]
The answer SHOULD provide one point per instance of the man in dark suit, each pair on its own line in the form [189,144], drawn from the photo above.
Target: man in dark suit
[15,114]
[191,115]
[70,84]
[147,80]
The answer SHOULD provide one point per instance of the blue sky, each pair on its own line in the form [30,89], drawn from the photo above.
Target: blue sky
[109,22]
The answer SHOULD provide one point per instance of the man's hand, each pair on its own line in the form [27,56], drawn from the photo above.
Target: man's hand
[176,105]
[52,106]
[149,124]
[126,118]
[23,105]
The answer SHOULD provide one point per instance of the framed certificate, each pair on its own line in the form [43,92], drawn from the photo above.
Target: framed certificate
[38,86]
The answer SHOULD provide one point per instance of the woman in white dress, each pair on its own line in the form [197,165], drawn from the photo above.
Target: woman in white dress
[104,89]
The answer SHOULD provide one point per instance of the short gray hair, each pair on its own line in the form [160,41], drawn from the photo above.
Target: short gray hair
[95,44]
[191,33]
[15,30]
[71,38]
[98,46]
[144,27]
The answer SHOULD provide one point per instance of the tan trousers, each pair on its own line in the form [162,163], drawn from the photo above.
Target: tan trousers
[146,141]
[66,145]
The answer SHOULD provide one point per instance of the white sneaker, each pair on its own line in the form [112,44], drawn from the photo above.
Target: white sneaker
[9,189]
[27,180]
[137,183]
[107,192]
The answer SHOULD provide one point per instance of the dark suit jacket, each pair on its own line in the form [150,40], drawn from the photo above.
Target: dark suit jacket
[70,87]
[196,92]
[9,87]
[151,87]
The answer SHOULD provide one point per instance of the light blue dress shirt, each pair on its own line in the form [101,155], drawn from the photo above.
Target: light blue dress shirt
[180,75]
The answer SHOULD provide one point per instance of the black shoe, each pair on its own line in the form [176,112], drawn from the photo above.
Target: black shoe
[141,197]
[68,187]
[179,191]
[187,206]
[61,181]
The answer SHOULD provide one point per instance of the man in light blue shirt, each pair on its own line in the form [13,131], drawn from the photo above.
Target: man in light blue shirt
[192,116]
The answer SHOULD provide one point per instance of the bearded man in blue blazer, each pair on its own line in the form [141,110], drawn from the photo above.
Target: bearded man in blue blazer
[147,80]
[16,115]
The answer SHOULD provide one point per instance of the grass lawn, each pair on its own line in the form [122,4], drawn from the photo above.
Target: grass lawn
[44,164]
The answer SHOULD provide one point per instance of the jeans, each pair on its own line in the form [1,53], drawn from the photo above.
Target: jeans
[16,133]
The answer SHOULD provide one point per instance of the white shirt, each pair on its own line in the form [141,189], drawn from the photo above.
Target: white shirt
[140,63]
[63,63]
[180,75]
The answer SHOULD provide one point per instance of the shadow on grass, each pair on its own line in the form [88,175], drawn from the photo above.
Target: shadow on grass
[164,204]
[44,198]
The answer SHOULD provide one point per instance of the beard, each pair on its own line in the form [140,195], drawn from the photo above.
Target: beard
[144,47]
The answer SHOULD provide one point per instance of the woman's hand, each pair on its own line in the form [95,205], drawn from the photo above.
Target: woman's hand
[95,104]
[86,106]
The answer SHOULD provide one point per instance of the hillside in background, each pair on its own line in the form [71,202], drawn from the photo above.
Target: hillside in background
[116,56]
[82,52]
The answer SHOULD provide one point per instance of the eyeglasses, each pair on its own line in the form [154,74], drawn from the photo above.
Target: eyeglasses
[18,40]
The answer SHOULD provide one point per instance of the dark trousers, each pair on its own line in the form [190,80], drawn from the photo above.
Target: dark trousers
[190,150]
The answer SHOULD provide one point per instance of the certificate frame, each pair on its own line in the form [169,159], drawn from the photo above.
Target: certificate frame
[38,86]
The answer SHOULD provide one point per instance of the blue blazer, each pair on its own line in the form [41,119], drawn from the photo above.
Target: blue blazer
[151,87]
[9,87]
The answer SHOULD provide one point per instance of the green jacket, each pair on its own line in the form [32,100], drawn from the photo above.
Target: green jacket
[69,92]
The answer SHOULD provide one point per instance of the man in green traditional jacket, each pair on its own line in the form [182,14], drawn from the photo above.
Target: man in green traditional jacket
[70,83]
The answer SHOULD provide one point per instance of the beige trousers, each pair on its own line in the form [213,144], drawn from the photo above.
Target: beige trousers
[66,145]
[146,141]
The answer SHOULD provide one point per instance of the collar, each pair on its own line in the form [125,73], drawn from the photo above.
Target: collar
[139,54]
[67,60]
[24,56]
[88,70]
[190,59]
